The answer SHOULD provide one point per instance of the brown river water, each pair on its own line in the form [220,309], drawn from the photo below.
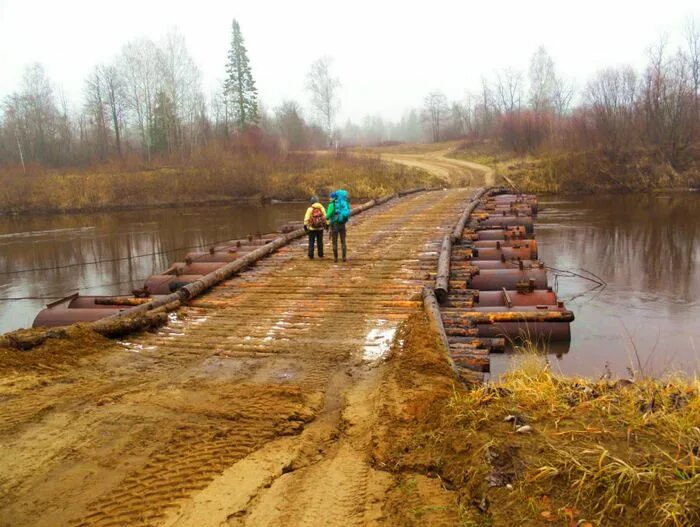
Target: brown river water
[646,248]
[41,242]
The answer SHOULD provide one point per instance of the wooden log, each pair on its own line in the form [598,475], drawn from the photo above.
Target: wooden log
[464,218]
[121,301]
[492,344]
[477,317]
[457,331]
[442,282]
[432,310]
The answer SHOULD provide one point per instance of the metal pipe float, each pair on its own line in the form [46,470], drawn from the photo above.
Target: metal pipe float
[507,221]
[206,257]
[515,244]
[501,234]
[64,316]
[495,279]
[535,298]
[162,284]
[502,254]
[508,264]
[526,331]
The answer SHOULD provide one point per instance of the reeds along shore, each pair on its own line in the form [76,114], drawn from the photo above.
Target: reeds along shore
[294,176]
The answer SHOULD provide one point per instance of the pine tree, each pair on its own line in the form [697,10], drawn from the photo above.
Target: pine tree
[239,86]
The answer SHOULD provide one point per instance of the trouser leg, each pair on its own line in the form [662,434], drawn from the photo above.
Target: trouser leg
[312,238]
[342,242]
[334,238]
[319,243]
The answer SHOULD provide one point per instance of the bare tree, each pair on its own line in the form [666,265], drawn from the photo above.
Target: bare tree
[692,53]
[114,99]
[139,67]
[509,90]
[542,81]
[435,111]
[323,88]
[96,110]
[612,97]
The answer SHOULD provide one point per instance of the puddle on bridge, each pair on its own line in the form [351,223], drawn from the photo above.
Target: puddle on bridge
[378,341]
[647,249]
[31,242]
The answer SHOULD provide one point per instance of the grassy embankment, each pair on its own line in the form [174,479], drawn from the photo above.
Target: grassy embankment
[584,171]
[597,453]
[291,177]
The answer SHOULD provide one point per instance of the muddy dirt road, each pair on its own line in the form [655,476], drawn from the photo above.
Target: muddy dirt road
[451,170]
[255,406]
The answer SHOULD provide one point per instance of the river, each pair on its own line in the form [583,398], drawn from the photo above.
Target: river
[60,245]
[646,248]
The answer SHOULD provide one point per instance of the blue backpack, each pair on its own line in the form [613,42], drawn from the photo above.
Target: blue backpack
[342,206]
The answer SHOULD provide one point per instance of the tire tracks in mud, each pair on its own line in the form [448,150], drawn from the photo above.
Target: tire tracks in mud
[269,361]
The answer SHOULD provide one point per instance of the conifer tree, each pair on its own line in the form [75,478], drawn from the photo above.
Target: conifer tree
[239,86]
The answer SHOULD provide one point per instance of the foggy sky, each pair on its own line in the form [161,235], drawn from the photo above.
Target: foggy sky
[388,55]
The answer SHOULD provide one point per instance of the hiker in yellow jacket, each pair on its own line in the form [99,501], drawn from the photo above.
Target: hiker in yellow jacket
[314,223]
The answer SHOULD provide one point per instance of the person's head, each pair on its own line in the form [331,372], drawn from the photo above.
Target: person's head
[333,195]
[314,199]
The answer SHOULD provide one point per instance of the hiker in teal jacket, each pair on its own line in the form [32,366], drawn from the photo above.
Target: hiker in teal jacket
[338,214]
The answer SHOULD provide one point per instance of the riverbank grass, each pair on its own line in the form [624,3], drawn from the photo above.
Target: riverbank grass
[535,448]
[595,170]
[296,176]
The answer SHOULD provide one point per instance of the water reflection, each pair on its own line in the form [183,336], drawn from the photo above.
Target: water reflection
[67,240]
[647,249]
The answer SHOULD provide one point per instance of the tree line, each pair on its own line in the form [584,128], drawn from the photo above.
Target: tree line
[618,109]
[148,104]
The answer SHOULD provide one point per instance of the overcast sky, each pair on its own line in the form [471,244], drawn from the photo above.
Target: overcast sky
[388,55]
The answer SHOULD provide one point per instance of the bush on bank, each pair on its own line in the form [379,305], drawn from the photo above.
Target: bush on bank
[295,176]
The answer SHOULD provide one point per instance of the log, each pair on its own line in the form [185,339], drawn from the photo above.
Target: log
[492,344]
[464,218]
[120,301]
[480,317]
[432,309]
[442,281]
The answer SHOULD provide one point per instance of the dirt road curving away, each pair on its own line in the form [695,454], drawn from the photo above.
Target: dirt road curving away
[259,404]
[456,171]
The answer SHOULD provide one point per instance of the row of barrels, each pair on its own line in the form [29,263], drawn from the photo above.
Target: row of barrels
[196,265]
[492,288]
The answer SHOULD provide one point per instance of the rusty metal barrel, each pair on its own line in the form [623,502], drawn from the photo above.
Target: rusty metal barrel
[203,257]
[533,331]
[499,299]
[65,316]
[508,264]
[496,279]
[501,234]
[497,244]
[507,221]
[504,253]
[162,284]
[202,268]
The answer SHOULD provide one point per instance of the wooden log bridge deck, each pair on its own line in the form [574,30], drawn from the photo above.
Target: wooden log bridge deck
[124,435]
